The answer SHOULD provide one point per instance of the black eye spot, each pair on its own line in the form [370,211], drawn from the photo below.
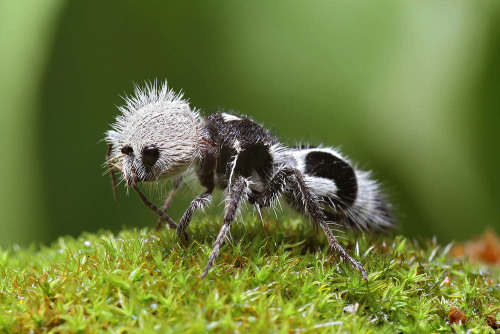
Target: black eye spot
[149,156]
[127,150]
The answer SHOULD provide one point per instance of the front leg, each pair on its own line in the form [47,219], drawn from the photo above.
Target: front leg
[198,203]
[294,178]
[238,192]
[150,205]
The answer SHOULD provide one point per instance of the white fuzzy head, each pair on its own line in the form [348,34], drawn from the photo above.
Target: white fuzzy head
[157,136]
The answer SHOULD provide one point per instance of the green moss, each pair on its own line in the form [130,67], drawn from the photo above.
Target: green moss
[274,278]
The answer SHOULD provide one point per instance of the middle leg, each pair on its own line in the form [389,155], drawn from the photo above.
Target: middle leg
[237,193]
[198,203]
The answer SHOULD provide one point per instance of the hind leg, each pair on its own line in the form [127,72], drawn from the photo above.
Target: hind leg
[293,178]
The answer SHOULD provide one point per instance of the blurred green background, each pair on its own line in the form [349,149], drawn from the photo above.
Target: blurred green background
[407,89]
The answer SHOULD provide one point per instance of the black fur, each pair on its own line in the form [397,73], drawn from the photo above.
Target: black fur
[323,164]
[237,149]
[253,141]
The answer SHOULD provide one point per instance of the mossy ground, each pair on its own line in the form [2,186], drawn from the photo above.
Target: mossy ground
[273,278]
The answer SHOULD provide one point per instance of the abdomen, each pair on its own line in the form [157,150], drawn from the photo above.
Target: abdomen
[347,195]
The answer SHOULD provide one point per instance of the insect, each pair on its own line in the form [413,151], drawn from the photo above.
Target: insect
[159,136]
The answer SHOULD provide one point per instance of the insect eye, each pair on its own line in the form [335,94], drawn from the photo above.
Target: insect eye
[127,149]
[149,156]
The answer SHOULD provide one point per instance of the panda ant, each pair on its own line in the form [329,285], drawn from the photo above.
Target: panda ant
[159,136]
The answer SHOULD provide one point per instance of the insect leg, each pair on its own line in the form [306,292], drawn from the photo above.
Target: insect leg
[312,207]
[198,203]
[168,200]
[276,186]
[112,172]
[150,205]
[236,194]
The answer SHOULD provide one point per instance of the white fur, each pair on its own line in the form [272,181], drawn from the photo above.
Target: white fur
[365,213]
[229,117]
[156,116]
[234,160]
[321,186]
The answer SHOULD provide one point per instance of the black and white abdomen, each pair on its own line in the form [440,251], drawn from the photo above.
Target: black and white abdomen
[348,196]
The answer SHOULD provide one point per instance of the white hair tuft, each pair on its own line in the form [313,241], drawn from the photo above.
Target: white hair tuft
[156,116]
